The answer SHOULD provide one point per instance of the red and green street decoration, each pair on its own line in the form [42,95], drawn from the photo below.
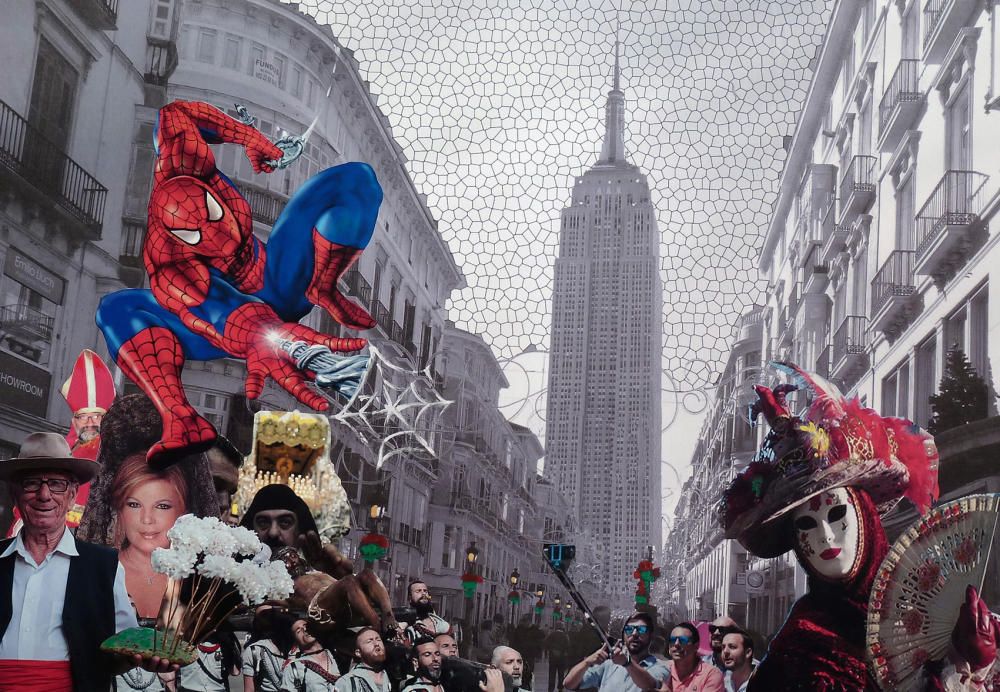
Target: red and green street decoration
[373,547]
[514,597]
[646,573]
[539,606]
[469,583]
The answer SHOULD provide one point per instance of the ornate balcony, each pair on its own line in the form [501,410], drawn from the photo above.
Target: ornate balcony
[26,322]
[130,266]
[857,187]
[266,206]
[44,171]
[100,14]
[942,19]
[849,352]
[835,236]
[900,104]
[893,293]
[946,222]
[381,314]
[815,270]
[161,60]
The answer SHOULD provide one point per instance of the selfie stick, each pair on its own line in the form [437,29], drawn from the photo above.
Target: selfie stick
[555,560]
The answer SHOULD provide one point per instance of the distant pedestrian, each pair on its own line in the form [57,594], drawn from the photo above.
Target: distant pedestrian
[557,647]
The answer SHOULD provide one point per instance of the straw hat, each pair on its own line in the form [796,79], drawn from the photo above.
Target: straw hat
[47,451]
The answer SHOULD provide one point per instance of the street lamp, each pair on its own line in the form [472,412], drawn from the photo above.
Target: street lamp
[513,597]
[471,553]
[556,613]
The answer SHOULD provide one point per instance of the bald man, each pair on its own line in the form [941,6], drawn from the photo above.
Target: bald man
[720,627]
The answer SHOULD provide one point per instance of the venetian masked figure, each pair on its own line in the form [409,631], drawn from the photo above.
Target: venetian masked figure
[828,534]
[819,486]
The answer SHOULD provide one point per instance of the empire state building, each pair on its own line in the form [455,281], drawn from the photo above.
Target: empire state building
[603,409]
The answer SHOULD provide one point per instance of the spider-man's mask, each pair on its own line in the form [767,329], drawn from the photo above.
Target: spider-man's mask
[194,216]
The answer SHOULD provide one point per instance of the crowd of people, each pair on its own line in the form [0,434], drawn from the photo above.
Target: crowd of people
[343,637]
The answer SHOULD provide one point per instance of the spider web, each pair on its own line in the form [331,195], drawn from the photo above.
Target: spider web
[397,408]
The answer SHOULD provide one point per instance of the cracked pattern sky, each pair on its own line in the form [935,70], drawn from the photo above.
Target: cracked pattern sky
[499,104]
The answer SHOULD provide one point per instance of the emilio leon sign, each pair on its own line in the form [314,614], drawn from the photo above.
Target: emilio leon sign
[30,273]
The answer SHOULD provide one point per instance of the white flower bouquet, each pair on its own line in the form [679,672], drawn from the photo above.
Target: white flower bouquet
[213,568]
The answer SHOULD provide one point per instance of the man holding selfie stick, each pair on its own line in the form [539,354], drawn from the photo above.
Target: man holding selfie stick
[628,667]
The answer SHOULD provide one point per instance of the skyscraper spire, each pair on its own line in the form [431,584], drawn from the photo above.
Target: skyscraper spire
[613,148]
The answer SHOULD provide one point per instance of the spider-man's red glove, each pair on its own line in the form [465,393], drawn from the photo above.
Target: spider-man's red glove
[976,632]
[251,332]
[260,151]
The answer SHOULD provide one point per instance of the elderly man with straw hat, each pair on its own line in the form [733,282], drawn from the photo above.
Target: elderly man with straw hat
[50,635]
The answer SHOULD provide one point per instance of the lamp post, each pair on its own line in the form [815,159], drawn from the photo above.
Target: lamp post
[556,613]
[374,546]
[539,604]
[513,596]
[471,578]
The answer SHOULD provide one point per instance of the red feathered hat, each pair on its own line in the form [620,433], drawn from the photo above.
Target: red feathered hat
[90,388]
[837,443]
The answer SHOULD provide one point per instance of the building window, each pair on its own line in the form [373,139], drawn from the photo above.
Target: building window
[231,59]
[280,62]
[896,391]
[926,379]
[256,58]
[958,130]
[449,547]
[162,19]
[214,406]
[297,82]
[206,46]
[906,203]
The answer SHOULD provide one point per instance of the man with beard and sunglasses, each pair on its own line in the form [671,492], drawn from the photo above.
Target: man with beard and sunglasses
[719,628]
[629,667]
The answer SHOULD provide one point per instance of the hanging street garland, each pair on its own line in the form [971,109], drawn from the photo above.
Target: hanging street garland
[373,547]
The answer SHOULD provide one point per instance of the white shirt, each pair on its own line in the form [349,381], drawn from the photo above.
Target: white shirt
[38,593]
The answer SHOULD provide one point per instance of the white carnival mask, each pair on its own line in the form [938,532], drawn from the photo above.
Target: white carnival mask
[827,533]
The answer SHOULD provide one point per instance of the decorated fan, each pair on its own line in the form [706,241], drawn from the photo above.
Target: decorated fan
[921,585]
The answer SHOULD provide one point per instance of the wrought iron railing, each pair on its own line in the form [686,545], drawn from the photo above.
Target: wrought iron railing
[814,263]
[933,12]
[133,235]
[397,333]
[381,314]
[851,338]
[265,206]
[955,201]
[350,278]
[26,318]
[35,158]
[894,278]
[161,60]
[904,87]
[859,176]
[364,291]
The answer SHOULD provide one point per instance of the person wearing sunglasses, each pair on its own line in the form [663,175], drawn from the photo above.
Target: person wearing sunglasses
[628,667]
[719,628]
[688,673]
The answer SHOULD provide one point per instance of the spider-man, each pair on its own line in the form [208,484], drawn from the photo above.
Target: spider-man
[215,290]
